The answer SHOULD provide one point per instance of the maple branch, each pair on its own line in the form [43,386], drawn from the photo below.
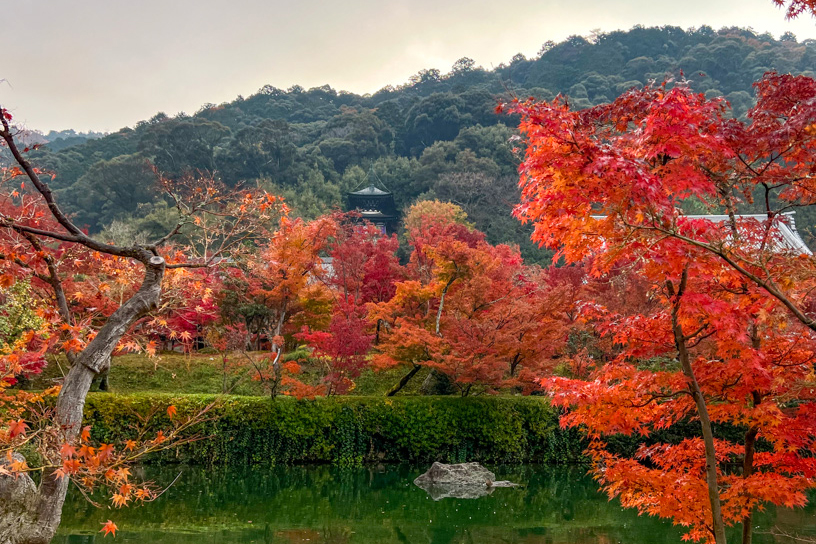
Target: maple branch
[177,202]
[84,494]
[748,165]
[766,285]
[767,198]
[52,279]
[164,239]
[75,234]
[776,531]
[654,396]
[134,252]
[214,256]
[32,175]
[728,385]
[257,368]
[188,265]
[742,291]
[491,303]
[9,223]
[688,337]
[404,380]
[701,338]
[163,491]
[23,264]
[718,528]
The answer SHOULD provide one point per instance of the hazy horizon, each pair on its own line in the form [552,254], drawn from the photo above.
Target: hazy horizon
[101,65]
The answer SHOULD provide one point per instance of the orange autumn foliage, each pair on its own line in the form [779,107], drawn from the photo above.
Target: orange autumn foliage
[470,310]
[723,335]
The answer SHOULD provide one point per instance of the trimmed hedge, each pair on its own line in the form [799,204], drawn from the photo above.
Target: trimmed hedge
[348,430]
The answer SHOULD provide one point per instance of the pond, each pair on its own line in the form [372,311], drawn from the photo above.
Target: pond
[331,505]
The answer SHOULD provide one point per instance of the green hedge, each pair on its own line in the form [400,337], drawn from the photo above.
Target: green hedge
[349,430]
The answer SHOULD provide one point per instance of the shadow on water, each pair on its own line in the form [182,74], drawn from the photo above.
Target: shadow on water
[329,505]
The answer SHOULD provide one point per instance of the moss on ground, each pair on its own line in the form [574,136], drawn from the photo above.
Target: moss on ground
[203,373]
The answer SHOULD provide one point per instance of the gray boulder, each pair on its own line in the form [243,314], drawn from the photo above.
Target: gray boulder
[461,481]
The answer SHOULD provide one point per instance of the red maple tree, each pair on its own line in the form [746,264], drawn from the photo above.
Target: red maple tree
[470,310]
[726,337]
[39,243]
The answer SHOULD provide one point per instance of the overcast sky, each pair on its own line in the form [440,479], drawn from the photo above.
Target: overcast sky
[105,64]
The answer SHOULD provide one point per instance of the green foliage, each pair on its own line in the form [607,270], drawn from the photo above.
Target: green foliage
[112,190]
[183,145]
[311,146]
[17,313]
[350,430]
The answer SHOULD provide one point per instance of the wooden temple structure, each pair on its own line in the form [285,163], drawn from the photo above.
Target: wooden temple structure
[376,206]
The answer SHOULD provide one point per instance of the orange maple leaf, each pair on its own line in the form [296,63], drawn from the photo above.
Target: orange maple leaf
[143,493]
[70,466]
[123,473]
[119,500]
[105,451]
[67,450]
[109,527]
[17,428]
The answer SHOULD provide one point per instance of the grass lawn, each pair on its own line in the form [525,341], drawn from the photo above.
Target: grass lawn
[172,372]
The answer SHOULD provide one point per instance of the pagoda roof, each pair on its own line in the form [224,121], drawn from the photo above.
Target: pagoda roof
[370,191]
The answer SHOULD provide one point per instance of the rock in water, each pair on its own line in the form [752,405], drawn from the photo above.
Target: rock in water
[461,474]
[461,481]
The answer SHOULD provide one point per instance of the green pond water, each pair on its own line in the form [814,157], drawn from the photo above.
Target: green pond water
[330,505]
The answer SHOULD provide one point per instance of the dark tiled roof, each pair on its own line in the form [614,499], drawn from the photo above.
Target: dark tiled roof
[370,191]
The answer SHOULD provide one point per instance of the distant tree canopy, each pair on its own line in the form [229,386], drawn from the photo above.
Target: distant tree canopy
[437,137]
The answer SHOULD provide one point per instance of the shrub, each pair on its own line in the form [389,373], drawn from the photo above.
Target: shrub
[349,430]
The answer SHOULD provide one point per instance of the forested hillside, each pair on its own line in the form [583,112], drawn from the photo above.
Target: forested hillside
[437,136]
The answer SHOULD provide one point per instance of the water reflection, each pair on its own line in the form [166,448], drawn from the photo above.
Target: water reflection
[327,505]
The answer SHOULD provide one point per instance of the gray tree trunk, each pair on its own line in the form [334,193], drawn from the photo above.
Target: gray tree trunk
[31,514]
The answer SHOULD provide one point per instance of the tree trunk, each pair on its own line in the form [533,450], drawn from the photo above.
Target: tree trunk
[702,412]
[515,363]
[442,304]
[405,379]
[224,373]
[278,351]
[747,470]
[42,510]
[18,497]
[437,383]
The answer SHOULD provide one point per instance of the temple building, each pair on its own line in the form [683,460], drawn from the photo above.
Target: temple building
[376,206]
[786,237]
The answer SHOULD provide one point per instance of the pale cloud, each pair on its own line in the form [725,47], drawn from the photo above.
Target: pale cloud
[104,64]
